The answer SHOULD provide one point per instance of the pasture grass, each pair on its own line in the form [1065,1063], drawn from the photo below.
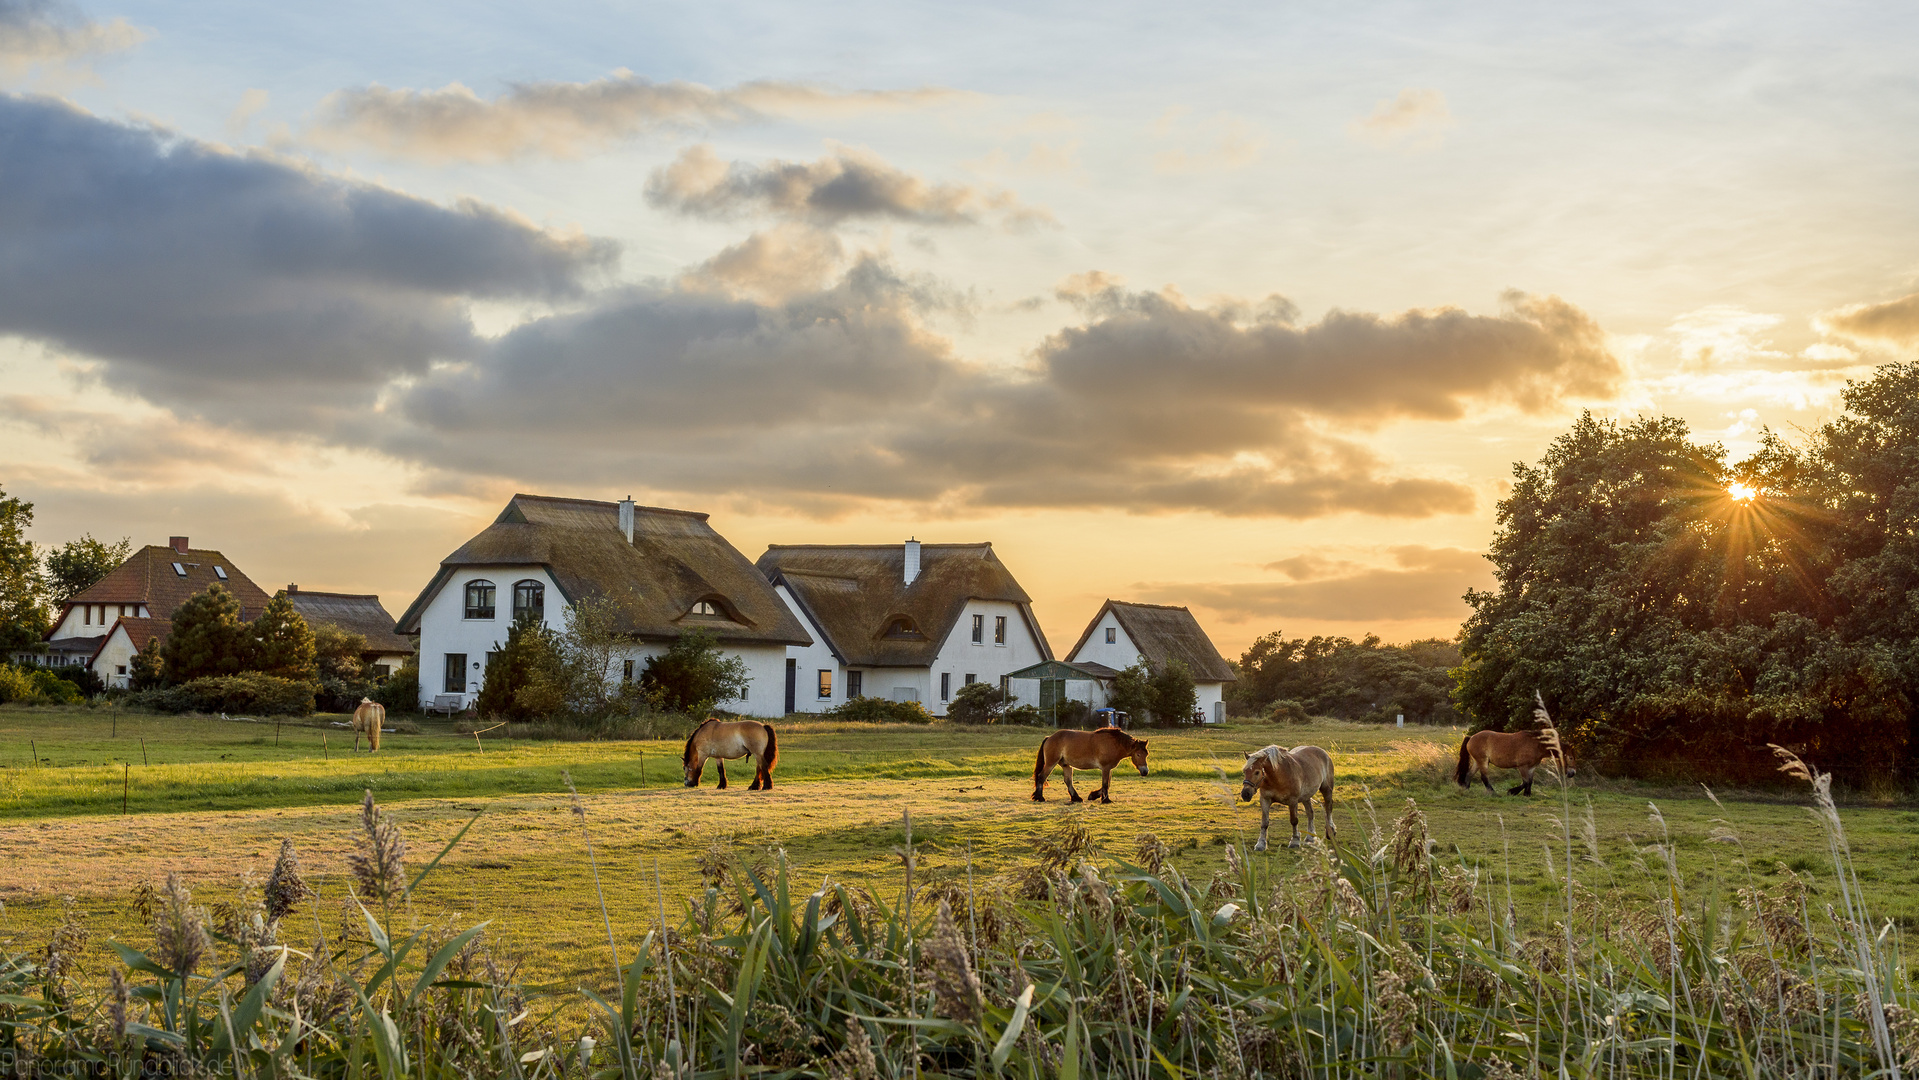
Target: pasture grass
[212,799]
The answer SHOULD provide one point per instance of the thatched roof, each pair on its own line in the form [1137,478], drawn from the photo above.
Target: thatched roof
[361,613]
[675,561]
[854,593]
[148,577]
[1163,633]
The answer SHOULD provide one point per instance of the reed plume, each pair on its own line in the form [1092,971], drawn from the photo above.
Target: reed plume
[379,866]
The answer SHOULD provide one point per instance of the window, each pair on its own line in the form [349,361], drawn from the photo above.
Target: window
[220,572]
[855,684]
[1112,635]
[946,685]
[704,607]
[119,669]
[971,679]
[902,627]
[999,629]
[979,629]
[626,670]
[826,683]
[744,690]
[455,682]
[479,599]
[180,570]
[86,614]
[529,601]
[382,672]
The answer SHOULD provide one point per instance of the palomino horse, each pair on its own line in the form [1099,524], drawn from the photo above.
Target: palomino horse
[1102,749]
[368,718]
[1522,750]
[1280,775]
[724,739]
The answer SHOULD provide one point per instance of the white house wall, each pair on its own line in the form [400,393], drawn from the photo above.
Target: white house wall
[92,620]
[808,662]
[959,657]
[1119,656]
[114,663]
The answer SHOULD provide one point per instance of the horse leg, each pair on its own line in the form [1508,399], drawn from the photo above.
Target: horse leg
[1292,810]
[1265,816]
[1067,770]
[721,762]
[1326,796]
[1528,774]
[759,768]
[1485,775]
[1307,802]
[1525,785]
[1106,784]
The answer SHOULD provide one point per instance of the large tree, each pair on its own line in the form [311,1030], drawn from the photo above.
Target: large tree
[78,565]
[207,638]
[1675,609]
[23,602]
[283,643]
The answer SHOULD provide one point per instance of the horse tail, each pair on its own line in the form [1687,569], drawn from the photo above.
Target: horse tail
[772,756]
[377,715]
[1465,769]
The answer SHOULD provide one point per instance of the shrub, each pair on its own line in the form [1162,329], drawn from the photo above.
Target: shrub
[207,637]
[401,691]
[1174,697]
[872,710]
[249,692]
[52,688]
[90,684]
[523,679]
[283,643]
[147,671]
[1286,711]
[976,703]
[1023,714]
[15,685]
[693,676]
[1072,713]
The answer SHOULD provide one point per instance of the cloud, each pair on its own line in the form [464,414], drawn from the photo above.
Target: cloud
[1224,143]
[51,33]
[1424,583]
[846,184]
[230,284]
[842,394]
[1417,119]
[1896,321]
[567,119]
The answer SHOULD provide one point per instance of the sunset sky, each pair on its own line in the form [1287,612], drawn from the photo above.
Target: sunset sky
[1244,307]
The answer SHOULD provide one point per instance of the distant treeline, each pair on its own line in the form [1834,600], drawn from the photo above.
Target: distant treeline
[1282,678]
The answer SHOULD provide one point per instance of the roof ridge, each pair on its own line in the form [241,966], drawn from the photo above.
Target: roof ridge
[609,505]
[900,545]
[342,595]
[1161,607]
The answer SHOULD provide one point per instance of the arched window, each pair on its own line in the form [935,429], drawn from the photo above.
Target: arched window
[479,599]
[902,627]
[529,601]
[704,607]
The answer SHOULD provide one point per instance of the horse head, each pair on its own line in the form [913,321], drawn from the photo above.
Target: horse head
[1253,774]
[1566,762]
[1138,754]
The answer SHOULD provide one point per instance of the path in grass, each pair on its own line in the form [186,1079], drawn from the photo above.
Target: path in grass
[836,812]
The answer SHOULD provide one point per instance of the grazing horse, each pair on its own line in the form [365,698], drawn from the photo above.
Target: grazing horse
[1102,749]
[724,739]
[1522,750]
[1280,775]
[368,718]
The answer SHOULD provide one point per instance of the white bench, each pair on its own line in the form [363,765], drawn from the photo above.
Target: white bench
[446,703]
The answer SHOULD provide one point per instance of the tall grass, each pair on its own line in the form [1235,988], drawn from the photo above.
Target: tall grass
[1381,958]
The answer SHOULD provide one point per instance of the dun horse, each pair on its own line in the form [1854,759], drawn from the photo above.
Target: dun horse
[1522,750]
[1280,775]
[369,717]
[724,739]
[1101,749]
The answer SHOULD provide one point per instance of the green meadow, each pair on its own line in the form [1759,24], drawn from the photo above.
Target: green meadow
[96,803]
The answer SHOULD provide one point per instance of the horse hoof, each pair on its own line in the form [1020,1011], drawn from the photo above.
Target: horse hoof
[1293,844]
[1261,846]
[1075,799]
[1037,797]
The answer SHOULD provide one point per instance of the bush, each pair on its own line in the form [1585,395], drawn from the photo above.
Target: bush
[693,675]
[15,685]
[37,686]
[83,677]
[1174,697]
[976,703]
[401,691]
[1072,713]
[248,692]
[1286,711]
[54,689]
[1023,714]
[872,710]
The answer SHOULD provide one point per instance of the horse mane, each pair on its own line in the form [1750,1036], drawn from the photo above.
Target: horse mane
[686,755]
[1271,754]
[1125,738]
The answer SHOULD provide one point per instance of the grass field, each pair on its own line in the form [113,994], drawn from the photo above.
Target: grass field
[213,798]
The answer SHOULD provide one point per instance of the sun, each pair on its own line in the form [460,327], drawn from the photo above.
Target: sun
[1741,492]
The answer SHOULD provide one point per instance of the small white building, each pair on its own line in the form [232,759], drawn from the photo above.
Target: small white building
[664,571]
[906,622]
[1124,634]
[360,613]
[143,591]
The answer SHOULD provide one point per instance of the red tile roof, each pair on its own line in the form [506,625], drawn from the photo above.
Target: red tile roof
[148,577]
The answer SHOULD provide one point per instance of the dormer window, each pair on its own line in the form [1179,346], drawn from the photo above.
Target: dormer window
[220,572]
[902,627]
[180,570]
[704,607]
[479,599]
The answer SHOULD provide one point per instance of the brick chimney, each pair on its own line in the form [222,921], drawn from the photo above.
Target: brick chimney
[178,543]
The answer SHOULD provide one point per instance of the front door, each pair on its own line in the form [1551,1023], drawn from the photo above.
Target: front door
[792,685]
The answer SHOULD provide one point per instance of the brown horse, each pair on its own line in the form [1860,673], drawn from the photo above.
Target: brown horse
[368,718]
[1102,749]
[723,739]
[1522,750]
[1280,775]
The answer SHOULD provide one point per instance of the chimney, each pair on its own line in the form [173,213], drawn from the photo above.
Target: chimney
[292,588]
[912,560]
[626,517]
[178,543]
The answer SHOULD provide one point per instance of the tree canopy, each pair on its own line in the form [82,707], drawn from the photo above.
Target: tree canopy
[23,608]
[1352,680]
[1672,607]
[78,565]
[207,638]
